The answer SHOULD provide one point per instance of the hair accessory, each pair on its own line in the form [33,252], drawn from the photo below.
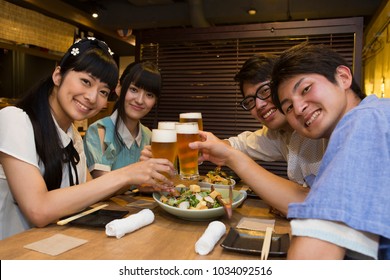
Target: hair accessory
[75,51]
[103,45]
[80,45]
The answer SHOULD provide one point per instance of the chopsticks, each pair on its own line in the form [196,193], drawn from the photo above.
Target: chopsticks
[266,243]
[79,215]
[119,201]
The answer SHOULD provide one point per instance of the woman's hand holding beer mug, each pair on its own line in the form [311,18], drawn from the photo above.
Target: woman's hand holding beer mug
[163,148]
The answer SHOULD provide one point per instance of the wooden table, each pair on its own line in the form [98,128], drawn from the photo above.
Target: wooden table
[167,238]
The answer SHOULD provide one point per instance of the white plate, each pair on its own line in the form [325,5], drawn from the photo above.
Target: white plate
[206,185]
[202,215]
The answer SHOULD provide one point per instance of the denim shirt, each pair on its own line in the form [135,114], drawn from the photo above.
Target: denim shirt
[353,182]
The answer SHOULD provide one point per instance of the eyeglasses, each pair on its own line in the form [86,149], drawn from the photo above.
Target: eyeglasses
[263,92]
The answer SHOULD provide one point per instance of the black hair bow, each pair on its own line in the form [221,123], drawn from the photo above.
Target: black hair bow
[72,157]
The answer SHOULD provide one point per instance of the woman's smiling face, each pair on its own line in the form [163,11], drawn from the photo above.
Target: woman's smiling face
[138,102]
[77,96]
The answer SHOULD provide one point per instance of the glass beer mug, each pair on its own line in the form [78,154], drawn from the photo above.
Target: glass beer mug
[192,117]
[164,144]
[188,158]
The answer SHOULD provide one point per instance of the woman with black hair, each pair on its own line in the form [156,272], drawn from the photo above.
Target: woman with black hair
[41,151]
[117,140]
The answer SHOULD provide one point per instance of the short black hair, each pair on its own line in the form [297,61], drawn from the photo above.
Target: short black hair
[256,69]
[307,58]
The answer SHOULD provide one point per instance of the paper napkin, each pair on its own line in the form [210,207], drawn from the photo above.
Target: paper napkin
[55,245]
[210,237]
[120,227]
[255,224]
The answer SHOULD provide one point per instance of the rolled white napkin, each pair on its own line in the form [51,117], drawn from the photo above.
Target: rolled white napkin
[210,237]
[120,227]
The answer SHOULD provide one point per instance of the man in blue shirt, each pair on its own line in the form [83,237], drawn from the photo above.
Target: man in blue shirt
[347,209]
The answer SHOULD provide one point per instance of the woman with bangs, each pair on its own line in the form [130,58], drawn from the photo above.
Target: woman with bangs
[43,170]
[117,140]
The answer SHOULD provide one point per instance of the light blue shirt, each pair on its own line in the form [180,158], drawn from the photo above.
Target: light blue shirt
[353,183]
[116,154]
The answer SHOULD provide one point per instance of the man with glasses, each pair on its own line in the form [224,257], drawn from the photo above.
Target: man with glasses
[276,141]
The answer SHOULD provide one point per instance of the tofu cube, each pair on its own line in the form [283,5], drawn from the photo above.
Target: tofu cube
[195,188]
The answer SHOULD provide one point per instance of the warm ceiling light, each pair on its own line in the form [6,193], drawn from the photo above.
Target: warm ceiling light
[252,11]
[95,15]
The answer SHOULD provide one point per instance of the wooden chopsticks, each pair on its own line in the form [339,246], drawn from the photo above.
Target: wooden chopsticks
[79,215]
[266,243]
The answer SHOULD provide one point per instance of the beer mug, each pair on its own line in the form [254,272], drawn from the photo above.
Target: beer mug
[164,144]
[169,125]
[192,117]
[166,125]
[188,158]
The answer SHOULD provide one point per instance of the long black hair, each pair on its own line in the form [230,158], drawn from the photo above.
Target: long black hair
[144,75]
[89,55]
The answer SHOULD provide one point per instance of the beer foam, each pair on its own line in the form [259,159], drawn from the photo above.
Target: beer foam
[196,115]
[167,125]
[187,128]
[164,135]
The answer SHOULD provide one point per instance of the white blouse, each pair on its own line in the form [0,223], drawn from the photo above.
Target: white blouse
[17,140]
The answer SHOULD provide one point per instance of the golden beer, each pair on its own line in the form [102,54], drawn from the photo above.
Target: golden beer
[188,158]
[169,125]
[192,117]
[164,144]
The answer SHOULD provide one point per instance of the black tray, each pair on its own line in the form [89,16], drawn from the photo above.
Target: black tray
[247,241]
[99,218]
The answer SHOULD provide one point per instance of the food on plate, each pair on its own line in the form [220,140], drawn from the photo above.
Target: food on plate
[217,177]
[192,198]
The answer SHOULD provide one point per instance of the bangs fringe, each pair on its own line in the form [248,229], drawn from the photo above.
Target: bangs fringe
[99,66]
[147,80]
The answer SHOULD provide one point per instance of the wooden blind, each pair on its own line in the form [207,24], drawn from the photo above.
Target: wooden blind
[198,65]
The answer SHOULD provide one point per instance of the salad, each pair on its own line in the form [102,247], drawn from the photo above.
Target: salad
[193,198]
[217,177]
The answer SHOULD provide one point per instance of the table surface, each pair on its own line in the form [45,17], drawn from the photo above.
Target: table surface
[167,238]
